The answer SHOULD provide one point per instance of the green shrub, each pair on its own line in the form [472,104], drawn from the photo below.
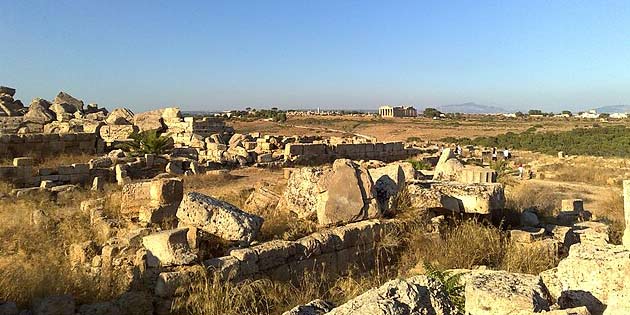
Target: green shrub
[148,142]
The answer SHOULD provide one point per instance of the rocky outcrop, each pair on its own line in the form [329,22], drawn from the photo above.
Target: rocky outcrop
[416,295]
[341,194]
[218,218]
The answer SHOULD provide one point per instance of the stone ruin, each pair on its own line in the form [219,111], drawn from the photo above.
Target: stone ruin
[166,236]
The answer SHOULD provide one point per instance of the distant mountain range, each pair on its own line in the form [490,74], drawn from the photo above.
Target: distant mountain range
[614,109]
[471,108]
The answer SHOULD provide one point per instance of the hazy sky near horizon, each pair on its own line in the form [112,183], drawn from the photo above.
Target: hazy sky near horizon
[212,55]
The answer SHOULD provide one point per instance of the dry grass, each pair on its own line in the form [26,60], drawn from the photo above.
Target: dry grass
[581,173]
[33,259]
[40,161]
[612,214]
[526,195]
[468,244]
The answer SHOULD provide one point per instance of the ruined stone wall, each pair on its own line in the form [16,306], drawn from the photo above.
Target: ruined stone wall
[15,145]
[321,152]
[332,252]
[23,174]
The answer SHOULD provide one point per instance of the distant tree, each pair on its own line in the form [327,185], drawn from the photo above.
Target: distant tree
[535,112]
[567,112]
[604,115]
[431,112]
[248,109]
[280,117]
[274,109]
[519,114]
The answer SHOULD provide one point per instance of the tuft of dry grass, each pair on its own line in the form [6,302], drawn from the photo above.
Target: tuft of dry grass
[528,258]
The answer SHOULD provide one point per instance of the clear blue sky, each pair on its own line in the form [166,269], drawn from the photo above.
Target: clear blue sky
[210,55]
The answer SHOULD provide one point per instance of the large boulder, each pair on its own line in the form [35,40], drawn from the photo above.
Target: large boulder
[489,292]
[120,116]
[341,194]
[39,112]
[416,295]
[151,120]
[218,218]
[350,195]
[595,275]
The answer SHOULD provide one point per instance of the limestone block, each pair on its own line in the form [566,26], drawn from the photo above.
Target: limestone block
[168,248]
[315,307]
[168,282]
[571,205]
[23,161]
[218,218]
[499,292]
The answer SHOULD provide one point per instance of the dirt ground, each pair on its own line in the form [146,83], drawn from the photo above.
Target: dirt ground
[404,129]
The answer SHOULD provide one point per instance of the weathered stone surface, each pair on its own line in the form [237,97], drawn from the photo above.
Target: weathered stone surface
[349,195]
[39,112]
[218,218]
[261,198]
[168,282]
[448,166]
[151,120]
[168,248]
[82,253]
[416,295]
[135,303]
[120,116]
[172,114]
[65,98]
[388,181]
[457,197]
[55,305]
[593,275]
[499,292]
[343,193]
[315,307]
